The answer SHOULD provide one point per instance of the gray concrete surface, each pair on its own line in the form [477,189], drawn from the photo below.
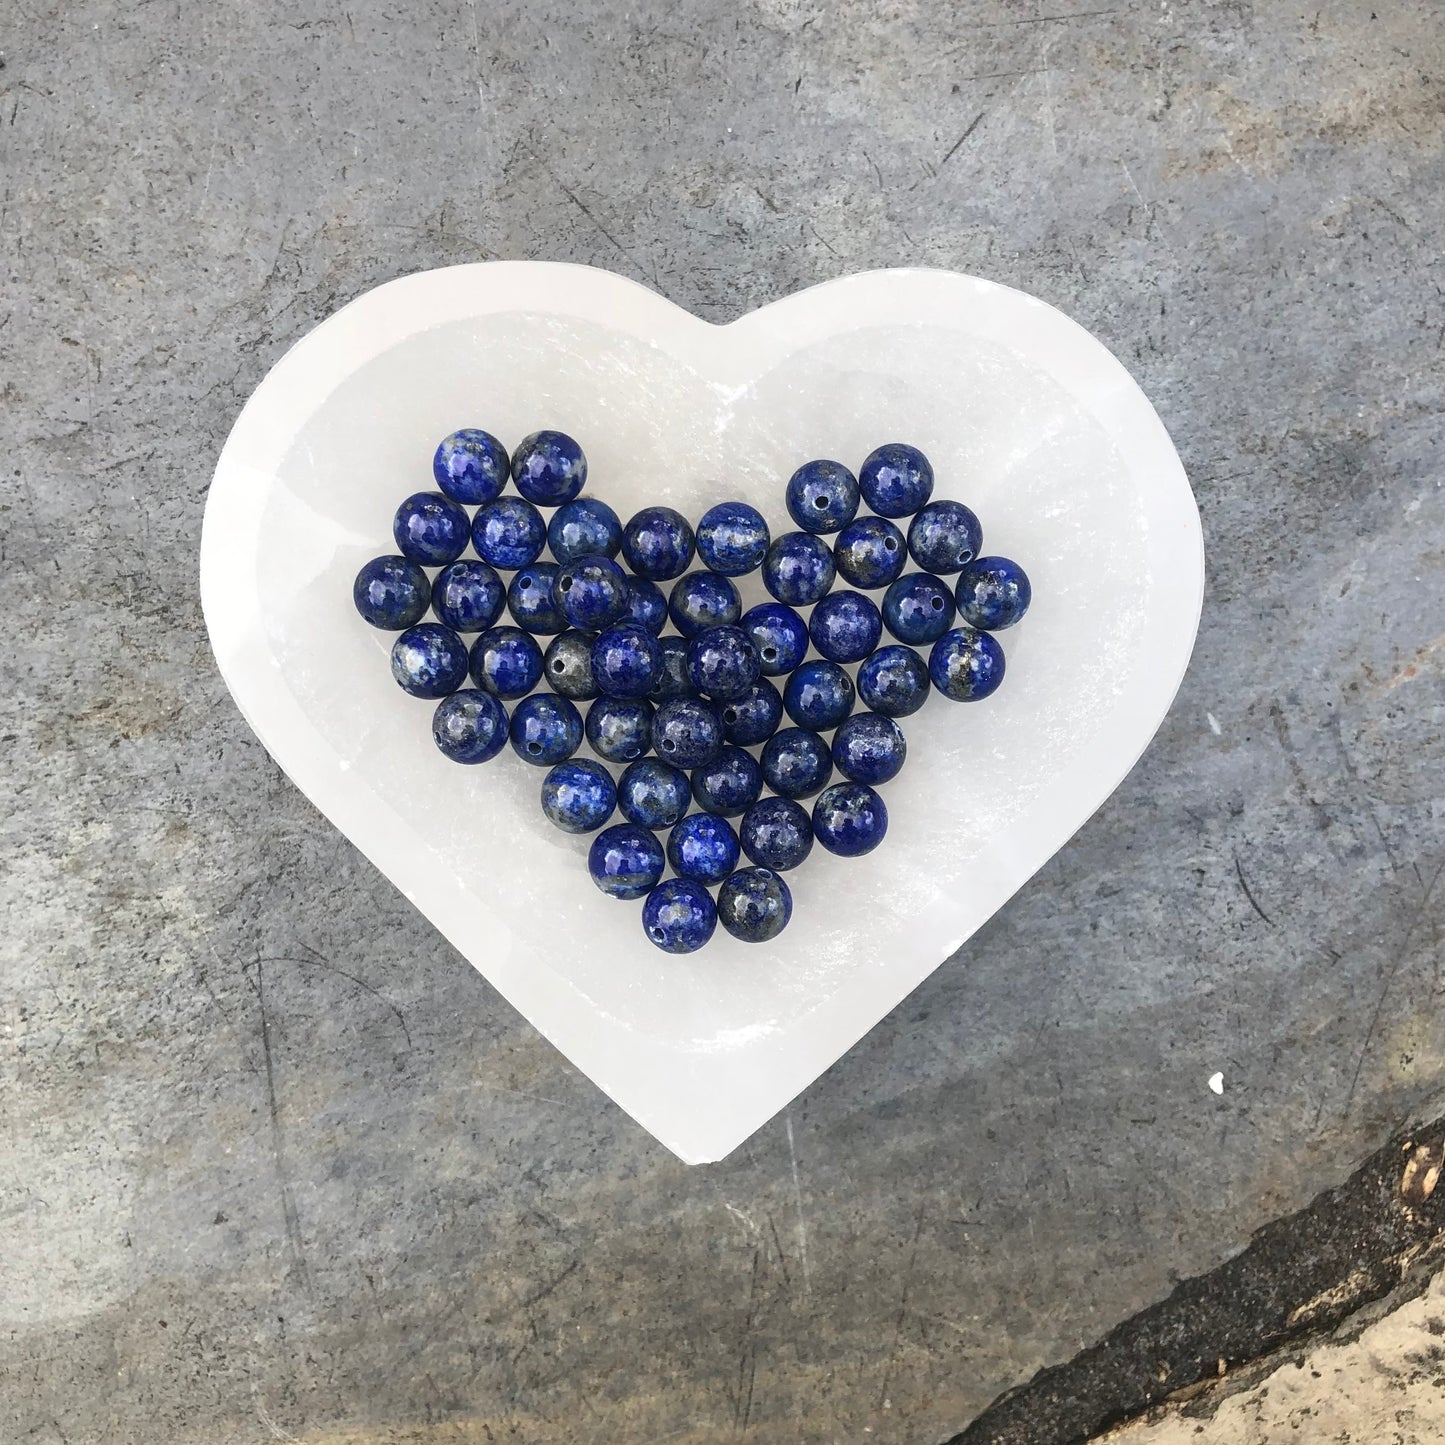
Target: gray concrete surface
[276,1163]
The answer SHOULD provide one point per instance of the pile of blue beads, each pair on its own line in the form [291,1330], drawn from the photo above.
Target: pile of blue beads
[680,691]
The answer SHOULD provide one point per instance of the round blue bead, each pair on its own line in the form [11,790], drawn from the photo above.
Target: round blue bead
[531,599]
[679,916]
[620,728]
[966,665]
[584,528]
[896,480]
[703,847]
[729,784]
[653,794]
[732,539]
[796,763]
[722,663]
[754,717]
[392,593]
[470,726]
[658,544]
[779,636]
[467,596]
[703,599]
[549,468]
[673,679]
[894,681]
[776,833]
[869,553]
[592,592]
[869,749]
[506,662]
[625,861]
[992,593]
[687,731]
[845,626]
[429,660]
[819,695]
[430,529]
[822,496]
[943,537]
[754,905]
[567,665]
[578,795]
[508,532]
[798,569]
[918,608]
[471,466]
[849,819]
[646,606]
[626,661]
[545,729]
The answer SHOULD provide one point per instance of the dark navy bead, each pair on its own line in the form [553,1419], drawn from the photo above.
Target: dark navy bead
[679,916]
[549,468]
[894,681]
[620,728]
[722,663]
[992,593]
[532,602]
[673,679]
[845,626]
[646,606]
[471,466]
[732,539]
[822,496]
[819,695]
[626,661]
[392,593]
[943,537]
[754,717]
[798,569]
[729,784]
[703,847]
[896,480]
[869,553]
[508,532]
[468,596]
[592,592]
[869,749]
[966,665]
[796,763]
[754,905]
[584,528]
[470,726]
[918,608]
[567,665]
[430,529]
[653,794]
[506,662]
[658,544]
[776,833]
[703,599]
[779,635]
[849,819]
[545,729]
[687,731]
[579,795]
[625,861]
[429,660]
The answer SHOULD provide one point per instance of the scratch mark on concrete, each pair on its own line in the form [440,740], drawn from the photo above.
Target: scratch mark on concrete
[1249,892]
[953,149]
[798,1201]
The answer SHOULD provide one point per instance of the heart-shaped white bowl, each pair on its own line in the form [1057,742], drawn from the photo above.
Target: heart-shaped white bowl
[1025,417]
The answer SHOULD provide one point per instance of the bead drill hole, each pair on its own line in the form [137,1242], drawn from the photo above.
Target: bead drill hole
[890,544]
[559,666]
[630,752]
[566,584]
[668,746]
[730,715]
[937,604]
[525,583]
[657,935]
[534,748]
[965,557]
[770,654]
[820,502]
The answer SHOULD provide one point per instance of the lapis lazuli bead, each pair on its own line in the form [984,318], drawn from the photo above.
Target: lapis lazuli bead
[626,661]
[776,833]
[469,726]
[687,732]
[625,861]
[819,695]
[673,679]
[918,608]
[798,569]
[894,681]
[467,596]
[429,660]
[779,635]
[584,528]
[722,663]
[532,601]
[646,606]
[592,592]
[845,626]
[679,916]
[754,717]
[471,466]
[943,537]
[796,763]
[822,496]
[658,544]
[732,539]
[869,553]
[549,468]
[620,728]
[545,729]
[849,819]
[868,748]
[703,599]
[509,533]
[992,593]
[506,661]
[896,480]
[966,664]
[567,665]
[703,847]
[392,593]
[754,905]
[653,794]
[578,795]
[729,784]
[431,529]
